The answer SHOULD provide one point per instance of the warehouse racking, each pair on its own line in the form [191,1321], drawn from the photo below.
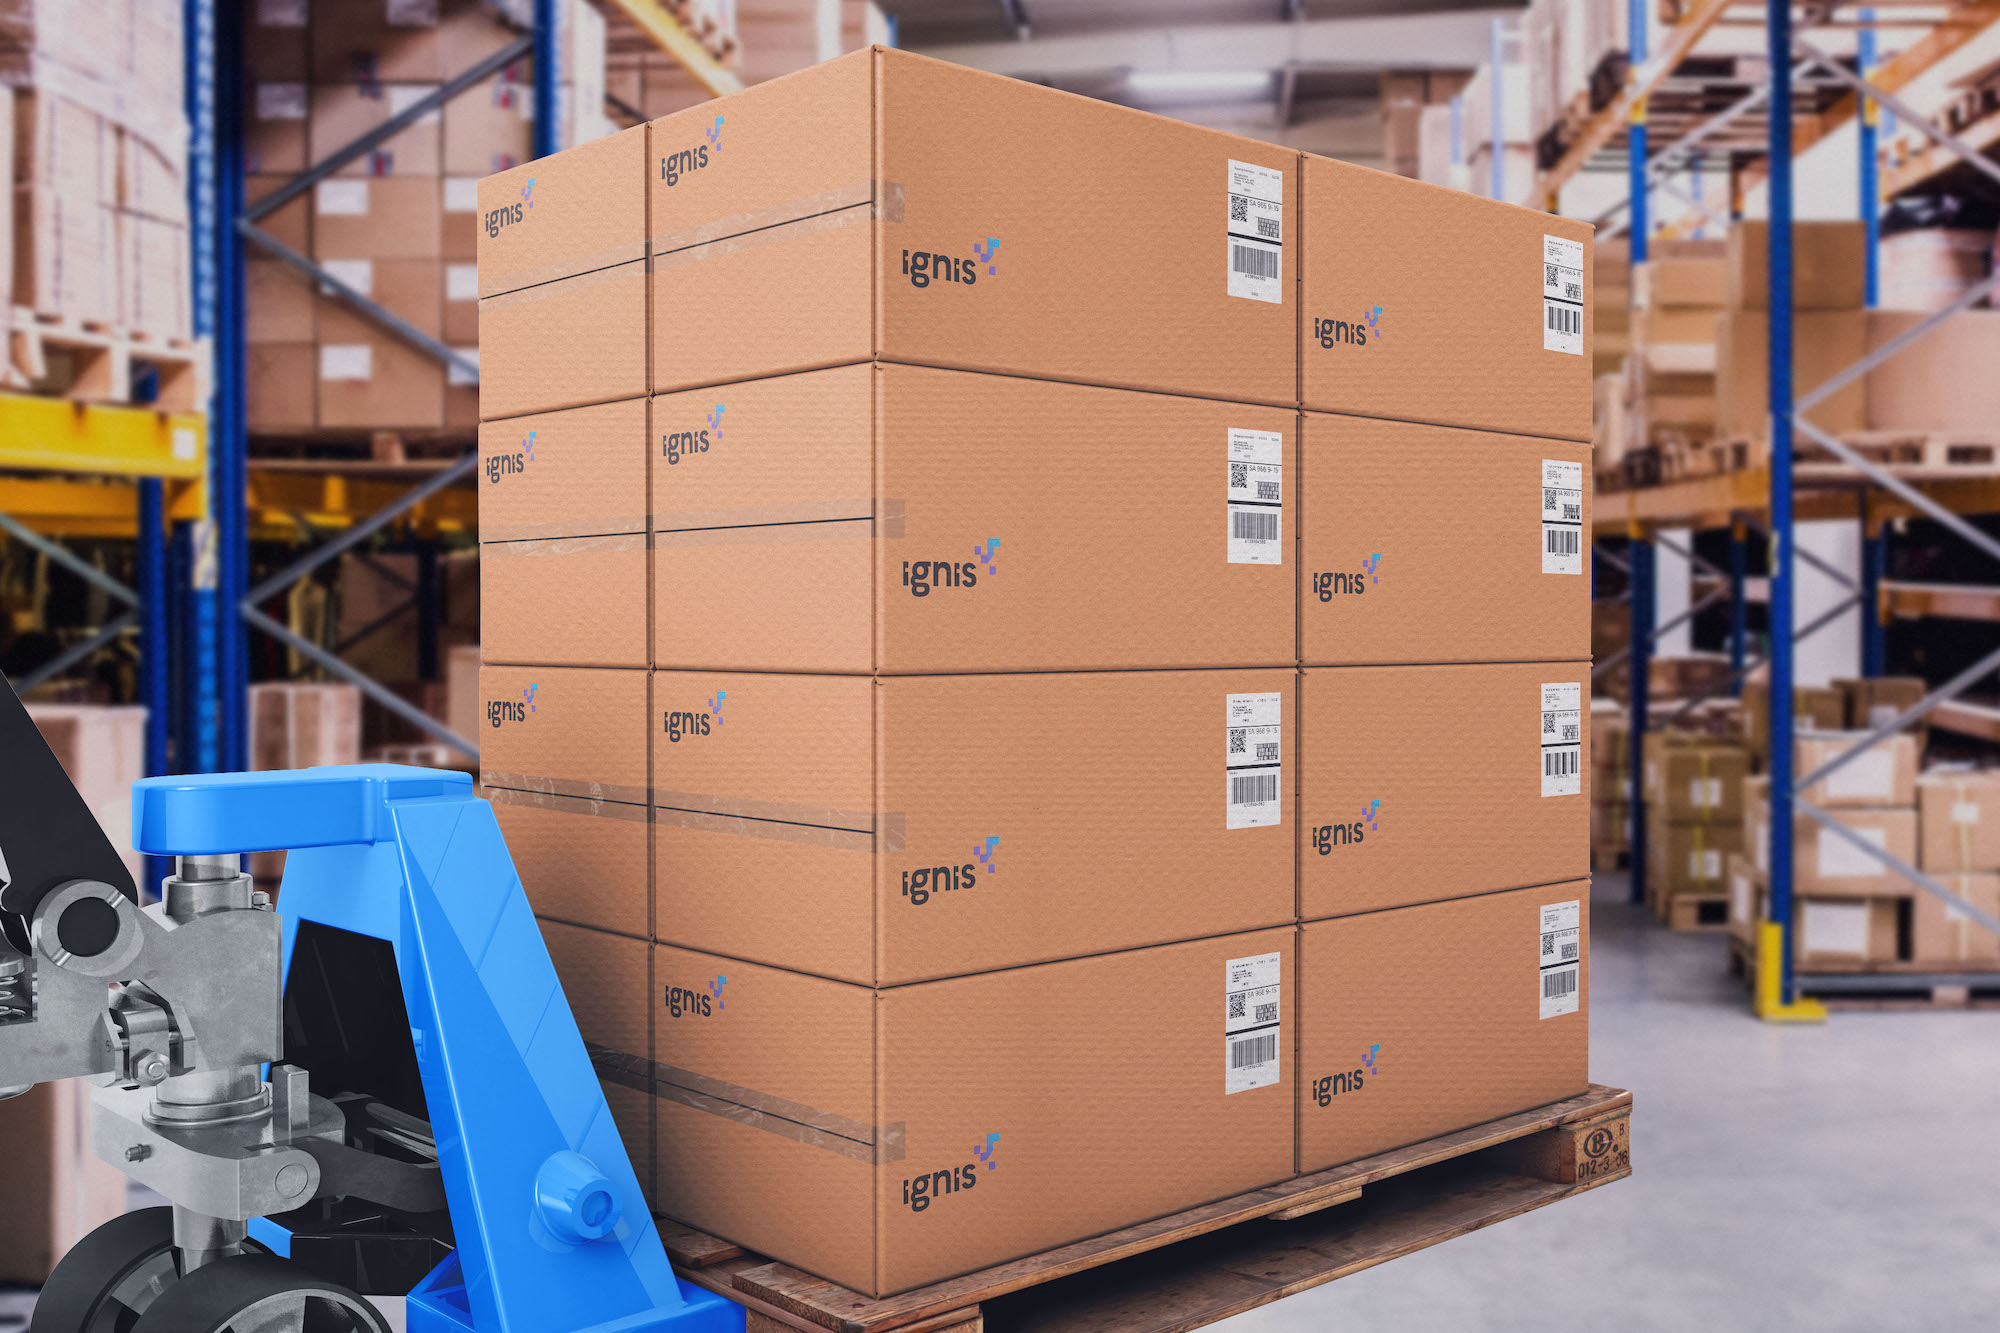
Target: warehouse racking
[1772,494]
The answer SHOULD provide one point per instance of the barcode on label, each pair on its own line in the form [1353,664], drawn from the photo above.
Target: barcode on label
[1257,1050]
[1559,763]
[1562,541]
[1558,983]
[1251,526]
[1253,788]
[1564,319]
[1255,263]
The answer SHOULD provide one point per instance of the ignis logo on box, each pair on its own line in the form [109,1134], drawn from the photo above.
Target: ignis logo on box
[683,724]
[921,883]
[510,465]
[1353,333]
[1329,836]
[1325,586]
[687,443]
[923,267]
[508,215]
[985,854]
[681,1001]
[919,1192]
[676,165]
[921,576]
[500,711]
[1329,1086]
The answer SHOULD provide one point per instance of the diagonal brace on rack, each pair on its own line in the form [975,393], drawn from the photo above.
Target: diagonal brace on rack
[1904,112]
[1658,630]
[89,573]
[1944,693]
[1817,561]
[1985,920]
[1818,623]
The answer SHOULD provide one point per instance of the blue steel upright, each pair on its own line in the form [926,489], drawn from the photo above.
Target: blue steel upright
[1640,659]
[1871,185]
[1739,610]
[1639,218]
[1779,187]
[552,1230]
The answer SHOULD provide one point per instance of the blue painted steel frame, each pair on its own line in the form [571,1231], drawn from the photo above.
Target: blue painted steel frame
[1778,23]
[1871,186]
[548,60]
[1874,568]
[1644,612]
[1739,611]
[155,647]
[1639,219]
[551,1226]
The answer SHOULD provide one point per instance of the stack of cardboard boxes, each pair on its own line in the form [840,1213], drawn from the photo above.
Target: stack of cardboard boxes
[1829,328]
[1694,813]
[982,705]
[1958,826]
[398,223]
[1670,371]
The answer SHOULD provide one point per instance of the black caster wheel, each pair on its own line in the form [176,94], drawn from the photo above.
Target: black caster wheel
[258,1293]
[110,1277]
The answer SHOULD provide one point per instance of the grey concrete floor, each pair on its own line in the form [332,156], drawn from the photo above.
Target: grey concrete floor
[1836,1177]
[1844,1177]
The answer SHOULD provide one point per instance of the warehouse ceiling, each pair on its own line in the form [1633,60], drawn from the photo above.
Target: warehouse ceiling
[935,22]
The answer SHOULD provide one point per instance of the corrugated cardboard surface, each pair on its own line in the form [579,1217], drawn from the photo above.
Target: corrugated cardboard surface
[793,1110]
[1452,523]
[1958,815]
[1692,857]
[1883,774]
[779,230]
[1440,769]
[1824,343]
[565,731]
[793,810]
[57,1190]
[577,212]
[581,860]
[607,981]
[1944,935]
[1458,280]
[1827,866]
[1437,1009]
[906,519]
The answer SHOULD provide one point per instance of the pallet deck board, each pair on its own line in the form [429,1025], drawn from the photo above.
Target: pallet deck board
[1423,1193]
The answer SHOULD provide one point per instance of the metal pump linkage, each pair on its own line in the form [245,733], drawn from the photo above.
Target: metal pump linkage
[380,1092]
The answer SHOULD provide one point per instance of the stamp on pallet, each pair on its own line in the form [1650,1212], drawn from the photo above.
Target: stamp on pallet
[1205,1264]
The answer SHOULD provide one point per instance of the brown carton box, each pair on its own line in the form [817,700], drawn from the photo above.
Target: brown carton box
[274,41]
[885,1139]
[1689,858]
[385,217]
[410,289]
[1696,783]
[1423,304]
[291,223]
[282,385]
[883,205]
[904,519]
[300,725]
[1958,815]
[461,303]
[57,1190]
[1943,936]
[1883,774]
[371,378]
[1682,282]
[279,303]
[382,41]
[1814,708]
[608,982]
[1421,783]
[1824,344]
[1943,384]
[1826,865]
[1829,267]
[562,279]
[1485,561]
[943,821]
[1746,897]
[343,112]
[1876,701]
[1419,1021]
[65,255]
[1842,933]
[487,128]
[562,508]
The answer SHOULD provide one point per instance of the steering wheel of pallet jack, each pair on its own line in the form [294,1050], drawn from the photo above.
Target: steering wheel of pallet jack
[109,1276]
[258,1293]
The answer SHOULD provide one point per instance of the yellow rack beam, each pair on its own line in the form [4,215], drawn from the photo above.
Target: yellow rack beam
[667,32]
[42,434]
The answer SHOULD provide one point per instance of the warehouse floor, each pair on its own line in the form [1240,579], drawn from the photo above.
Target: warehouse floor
[1837,1177]
[1833,1178]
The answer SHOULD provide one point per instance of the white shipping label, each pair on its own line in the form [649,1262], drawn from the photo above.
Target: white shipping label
[341,198]
[461,194]
[1562,517]
[1869,776]
[281,13]
[1834,928]
[461,282]
[1256,497]
[1562,295]
[1741,891]
[1562,739]
[403,96]
[281,101]
[1254,761]
[457,376]
[1760,840]
[1965,812]
[346,361]
[1705,864]
[358,274]
[1253,1021]
[1704,793]
[1559,957]
[1256,232]
[1841,859]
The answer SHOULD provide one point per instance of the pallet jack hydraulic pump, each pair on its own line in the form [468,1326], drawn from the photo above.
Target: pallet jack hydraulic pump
[380,1091]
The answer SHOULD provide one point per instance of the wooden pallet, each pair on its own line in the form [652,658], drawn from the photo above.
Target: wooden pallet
[1923,991]
[91,363]
[1208,1263]
[1950,453]
[1690,911]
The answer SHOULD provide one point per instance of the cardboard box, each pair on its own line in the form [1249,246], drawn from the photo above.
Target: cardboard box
[277,117]
[1746,898]
[562,279]
[376,41]
[464,707]
[65,255]
[1681,282]
[150,183]
[1655,328]
[283,384]
[387,217]
[1690,676]
[62,144]
[1829,267]
[290,223]
[1424,1020]
[1421,783]
[1814,708]
[274,41]
[410,289]
[943,821]
[1883,774]
[342,112]
[1843,933]
[904,519]
[156,289]
[296,725]
[489,127]
[1930,269]
[1824,343]
[1946,383]
[1697,783]
[1826,865]
[102,747]
[1689,858]
[977,237]
[57,1190]
[1610,830]
[370,378]
[1958,814]
[607,980]
[1876,701]
[886,1139]
[461,304]
[1391,272]
[1485,560]
[562,508]
[1945,937]
[279,304]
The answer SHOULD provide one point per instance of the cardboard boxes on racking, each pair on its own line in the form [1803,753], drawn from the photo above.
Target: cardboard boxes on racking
[1958,814]
[1943,936]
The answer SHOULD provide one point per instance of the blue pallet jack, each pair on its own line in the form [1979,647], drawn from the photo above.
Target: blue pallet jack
[380,1092]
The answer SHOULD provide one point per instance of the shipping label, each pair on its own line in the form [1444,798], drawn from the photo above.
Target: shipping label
[1562,517]
[1256,232]
[1253,1022]
[1559,958]
[1256,497]
[1562,739]
[1562,295]
[1253,761]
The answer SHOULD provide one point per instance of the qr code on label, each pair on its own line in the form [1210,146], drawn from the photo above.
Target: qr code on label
[1239,208]
[1238,742]
[1553,275]
[1239,476]
[1236,1004]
